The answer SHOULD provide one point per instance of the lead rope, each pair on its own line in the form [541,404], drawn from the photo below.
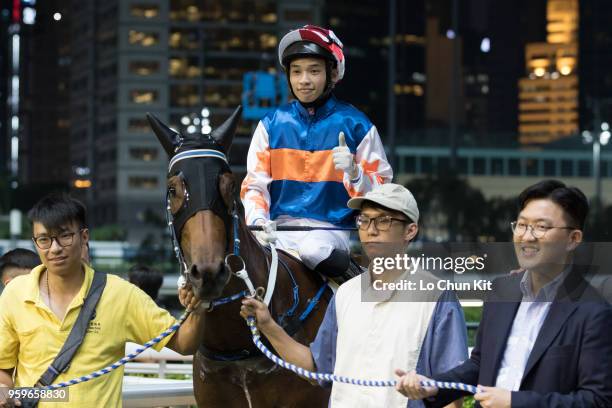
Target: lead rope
[125,359]
[342,379]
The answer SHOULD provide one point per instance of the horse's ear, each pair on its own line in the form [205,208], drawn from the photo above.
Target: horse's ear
[165,135]
[224,134]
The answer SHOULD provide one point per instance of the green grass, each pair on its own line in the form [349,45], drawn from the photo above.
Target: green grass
[472,314]
[468,402]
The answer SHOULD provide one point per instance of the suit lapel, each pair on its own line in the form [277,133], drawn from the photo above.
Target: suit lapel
[504,314]
[557,315]
[566,301]
[503,311]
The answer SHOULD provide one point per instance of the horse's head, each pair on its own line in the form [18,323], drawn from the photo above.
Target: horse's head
[200,200]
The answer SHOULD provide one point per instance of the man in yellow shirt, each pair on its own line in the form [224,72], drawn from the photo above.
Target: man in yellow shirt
[38,310]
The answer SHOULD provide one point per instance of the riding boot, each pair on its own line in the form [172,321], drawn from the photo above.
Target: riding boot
[336,266]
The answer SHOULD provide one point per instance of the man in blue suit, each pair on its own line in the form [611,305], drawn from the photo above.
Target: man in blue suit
[545,339]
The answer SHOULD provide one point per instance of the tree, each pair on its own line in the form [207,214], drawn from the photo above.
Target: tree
[449,207]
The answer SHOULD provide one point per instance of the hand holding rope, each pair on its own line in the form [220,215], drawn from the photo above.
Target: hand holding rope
[328,377]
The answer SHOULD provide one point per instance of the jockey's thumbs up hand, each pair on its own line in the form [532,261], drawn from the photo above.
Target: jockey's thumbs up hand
[343,158]
[341,140]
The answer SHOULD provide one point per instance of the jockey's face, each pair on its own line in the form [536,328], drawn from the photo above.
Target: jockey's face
[307,77]
[388,242]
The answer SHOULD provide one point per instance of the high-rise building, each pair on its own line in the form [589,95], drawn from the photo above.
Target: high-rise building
[34,92]
[237,37]
[363,27]
[595,67]
[5,19]
[44,110]
[489,37]
[365,81]
[182,60]
[548,98]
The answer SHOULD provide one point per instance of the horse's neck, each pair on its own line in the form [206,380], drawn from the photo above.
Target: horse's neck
[253,254]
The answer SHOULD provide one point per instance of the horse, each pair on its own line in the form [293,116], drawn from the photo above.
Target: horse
[207,222]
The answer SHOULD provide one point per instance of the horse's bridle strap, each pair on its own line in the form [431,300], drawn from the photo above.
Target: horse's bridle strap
[196,153]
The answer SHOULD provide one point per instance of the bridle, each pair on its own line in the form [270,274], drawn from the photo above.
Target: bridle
[232,261]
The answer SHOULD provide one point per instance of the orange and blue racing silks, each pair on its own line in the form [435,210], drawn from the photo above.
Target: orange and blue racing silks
[290,171]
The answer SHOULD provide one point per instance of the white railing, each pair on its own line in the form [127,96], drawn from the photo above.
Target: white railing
[154,392]
[157,392]
[157,362]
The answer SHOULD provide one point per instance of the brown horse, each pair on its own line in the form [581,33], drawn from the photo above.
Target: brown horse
[205,213]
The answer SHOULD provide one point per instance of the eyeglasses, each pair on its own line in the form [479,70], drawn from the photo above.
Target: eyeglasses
[382,223]
[537,231]
[65,239]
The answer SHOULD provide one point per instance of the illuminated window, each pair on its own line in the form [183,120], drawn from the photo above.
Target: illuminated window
[184,95]
[138,125]
[225,96]
[241,40]
[184,39]
[142,38]
[226,68]
[143,182]
[142,96]
[267,41]
[184,67]
[269,18]
[186,10]
[144,68]
[144,153]
[236,11]
[144,10]
[416,89]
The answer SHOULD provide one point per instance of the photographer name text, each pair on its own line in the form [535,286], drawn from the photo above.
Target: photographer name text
[417,285]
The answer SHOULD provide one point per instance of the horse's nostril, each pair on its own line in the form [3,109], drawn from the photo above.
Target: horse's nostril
[195,272]
[206,270]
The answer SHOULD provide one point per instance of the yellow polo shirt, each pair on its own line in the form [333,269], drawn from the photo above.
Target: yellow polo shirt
[31,335]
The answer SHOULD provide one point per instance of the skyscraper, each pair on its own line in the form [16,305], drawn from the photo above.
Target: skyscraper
[490,39]
[363,27]
[181,60]
[595,67]
[5,18]
[44,111]
[548,106]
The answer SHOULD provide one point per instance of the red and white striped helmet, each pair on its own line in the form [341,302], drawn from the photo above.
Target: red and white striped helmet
[326,39]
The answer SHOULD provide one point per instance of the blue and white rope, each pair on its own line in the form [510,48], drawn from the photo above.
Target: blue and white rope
[124,360]
[338,378]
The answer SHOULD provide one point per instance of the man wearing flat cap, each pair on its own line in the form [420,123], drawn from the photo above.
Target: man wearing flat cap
[368,336]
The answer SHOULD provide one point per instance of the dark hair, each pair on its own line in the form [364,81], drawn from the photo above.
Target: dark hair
[148,279]
[19,258]
[55,210]
[571,199]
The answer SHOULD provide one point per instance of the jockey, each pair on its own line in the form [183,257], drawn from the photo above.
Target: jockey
[307,158]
